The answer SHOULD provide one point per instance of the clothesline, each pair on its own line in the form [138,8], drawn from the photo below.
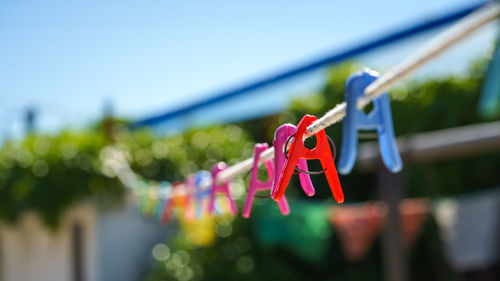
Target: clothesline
[442,42]
[439,44]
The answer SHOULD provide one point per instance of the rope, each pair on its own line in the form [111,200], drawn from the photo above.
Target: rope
[442,42]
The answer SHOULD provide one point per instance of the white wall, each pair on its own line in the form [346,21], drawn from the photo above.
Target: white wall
[126,240]
[116,244]
[32,252]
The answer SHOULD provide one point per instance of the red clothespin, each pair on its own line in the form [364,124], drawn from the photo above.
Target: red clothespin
[299,151]
[166,215]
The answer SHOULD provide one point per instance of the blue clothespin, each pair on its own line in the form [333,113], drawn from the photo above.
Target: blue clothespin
[200,178]
[379,119]
[489,103]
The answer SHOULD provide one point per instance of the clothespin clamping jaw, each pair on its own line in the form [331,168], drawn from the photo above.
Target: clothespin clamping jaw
[299,151]
[224,188]
[379,119]
[281,136]
[257,185]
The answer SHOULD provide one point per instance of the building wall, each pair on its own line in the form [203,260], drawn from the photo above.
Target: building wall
[114,244]
[32,252]
[126,240]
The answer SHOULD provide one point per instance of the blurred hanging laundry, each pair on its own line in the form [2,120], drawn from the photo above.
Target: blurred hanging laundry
[470,229]
[358,226]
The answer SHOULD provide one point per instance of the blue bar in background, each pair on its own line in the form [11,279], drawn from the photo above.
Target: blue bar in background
[328,60]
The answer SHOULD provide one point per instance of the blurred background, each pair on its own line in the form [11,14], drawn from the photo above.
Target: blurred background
[179,85]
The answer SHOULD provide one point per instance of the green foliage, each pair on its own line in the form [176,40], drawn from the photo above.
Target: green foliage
[176,156]
[49,173]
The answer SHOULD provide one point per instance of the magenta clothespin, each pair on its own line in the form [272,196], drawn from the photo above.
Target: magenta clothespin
[257,185]
[280,138]
[224,188]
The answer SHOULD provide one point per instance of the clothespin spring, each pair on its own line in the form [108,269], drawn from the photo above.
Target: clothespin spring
[297,170]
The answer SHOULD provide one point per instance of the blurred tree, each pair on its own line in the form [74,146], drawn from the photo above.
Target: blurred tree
[49,173]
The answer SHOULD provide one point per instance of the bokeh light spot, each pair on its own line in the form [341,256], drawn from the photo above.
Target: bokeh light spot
[245,264]
[161,252]
[40,168]
[223,229]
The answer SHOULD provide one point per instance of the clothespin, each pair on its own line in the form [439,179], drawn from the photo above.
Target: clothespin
[379,119]
[197,182]
[140,201]
[179,200]
[144,201]
[281,136]
[224,188]
[166,215]
[163,193]
[489,102]
[298,151]
[191,208]
[152,200]
[257,185]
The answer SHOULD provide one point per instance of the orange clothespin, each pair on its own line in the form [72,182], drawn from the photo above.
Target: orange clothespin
[179,200]
[299,151]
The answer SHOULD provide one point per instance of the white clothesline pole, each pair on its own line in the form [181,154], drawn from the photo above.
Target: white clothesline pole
[439,44]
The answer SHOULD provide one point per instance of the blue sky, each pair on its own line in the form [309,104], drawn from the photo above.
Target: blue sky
[69,57]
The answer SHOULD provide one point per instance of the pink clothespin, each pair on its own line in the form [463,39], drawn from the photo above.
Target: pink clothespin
[280,138]
[189,212]
[257,185]
[224,188]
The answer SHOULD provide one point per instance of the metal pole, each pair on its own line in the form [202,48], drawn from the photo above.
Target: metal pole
[30,119]
[391,192]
